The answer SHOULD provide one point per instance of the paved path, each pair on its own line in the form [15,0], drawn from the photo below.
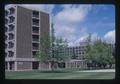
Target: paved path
[102,70]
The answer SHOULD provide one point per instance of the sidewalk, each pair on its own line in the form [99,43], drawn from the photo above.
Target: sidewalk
[102,70]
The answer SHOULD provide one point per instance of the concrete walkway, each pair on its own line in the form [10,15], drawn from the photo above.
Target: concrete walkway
[101,70]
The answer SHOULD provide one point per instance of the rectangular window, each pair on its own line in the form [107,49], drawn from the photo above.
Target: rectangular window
[10,54]
[20,63]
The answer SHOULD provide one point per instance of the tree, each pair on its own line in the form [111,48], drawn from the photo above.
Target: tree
[98,54]
[53,50]
[43,53]
[58,50]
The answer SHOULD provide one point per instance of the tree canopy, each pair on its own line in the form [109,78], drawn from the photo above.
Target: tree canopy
[99,54]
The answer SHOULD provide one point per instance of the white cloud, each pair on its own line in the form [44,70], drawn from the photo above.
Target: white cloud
[83,38]
[72,13]
[109,37]
[67,22]
[94,37]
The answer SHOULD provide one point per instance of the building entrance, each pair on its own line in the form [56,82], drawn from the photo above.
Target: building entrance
[35,65]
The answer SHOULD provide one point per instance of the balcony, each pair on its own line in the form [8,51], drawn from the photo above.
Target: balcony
[35,38]
[12,10]
[10,53]
[35,22]
[11,36]
[35,30]
[35,46]
[34,53]
[11,45]
[12,19]
[11,27]
[36,14]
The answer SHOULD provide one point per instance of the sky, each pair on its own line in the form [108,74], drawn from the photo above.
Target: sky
[74,22]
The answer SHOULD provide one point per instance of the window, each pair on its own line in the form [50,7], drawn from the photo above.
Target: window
[35,46]
[36,22]
[11,27]
[36,14]
[10,54]
[83,53]
[35,29]
[12,18]
[11,45]
[12,10]
[11,36]
[35,37]
[11,65]
[34,53]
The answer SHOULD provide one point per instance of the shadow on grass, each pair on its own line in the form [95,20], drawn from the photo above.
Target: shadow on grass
[55,71]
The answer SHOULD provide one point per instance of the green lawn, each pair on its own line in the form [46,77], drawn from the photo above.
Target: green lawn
[59,75]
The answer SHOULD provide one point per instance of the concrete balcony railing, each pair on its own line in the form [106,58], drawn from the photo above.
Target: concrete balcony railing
[20,59]
[35,31]
[36,40]
[35,24]
[35,16]
[35,48]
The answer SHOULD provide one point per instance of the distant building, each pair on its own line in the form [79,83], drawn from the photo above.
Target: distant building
[77,54]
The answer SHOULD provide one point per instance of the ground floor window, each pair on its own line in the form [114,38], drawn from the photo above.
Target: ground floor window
[35,65]
[61,65]
[11,65]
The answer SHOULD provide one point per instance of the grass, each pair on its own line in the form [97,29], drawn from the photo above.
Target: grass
[59,75]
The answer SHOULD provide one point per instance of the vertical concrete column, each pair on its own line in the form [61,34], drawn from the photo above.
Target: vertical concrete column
[15,66]
[75,64]
[49,66]
[8,66]
[39,65]
[66,64]
[82,64]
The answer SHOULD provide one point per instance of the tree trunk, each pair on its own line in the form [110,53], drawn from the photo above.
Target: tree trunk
[52,65]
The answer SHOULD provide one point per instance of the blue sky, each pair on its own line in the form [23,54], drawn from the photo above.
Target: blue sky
[99,20]
[75,21]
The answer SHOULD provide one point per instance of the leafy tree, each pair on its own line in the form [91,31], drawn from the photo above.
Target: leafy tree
[43,53]
[53,50]
[99,54]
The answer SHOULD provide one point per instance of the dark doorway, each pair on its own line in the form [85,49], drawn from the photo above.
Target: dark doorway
[35,65]
[11,65]
[61,65]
